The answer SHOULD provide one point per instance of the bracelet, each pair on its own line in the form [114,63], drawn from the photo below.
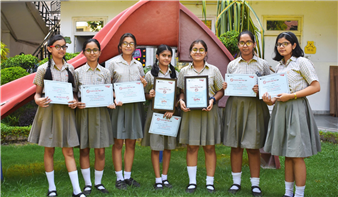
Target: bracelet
[295,95]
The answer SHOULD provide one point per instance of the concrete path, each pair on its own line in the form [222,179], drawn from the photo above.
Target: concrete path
[327,123]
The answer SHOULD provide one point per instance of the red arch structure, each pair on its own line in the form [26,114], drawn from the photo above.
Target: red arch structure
[153,23]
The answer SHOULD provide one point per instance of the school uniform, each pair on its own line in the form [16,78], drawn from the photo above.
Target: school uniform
[246,119]
[54,126]
[155,141]
[93,124]
[199,127]
[292,130]
[127,120]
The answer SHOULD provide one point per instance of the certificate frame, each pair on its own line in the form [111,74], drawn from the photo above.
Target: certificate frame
[139,97]
[91,89]
[170,107]
[169,127]
[238,81]
[276,78]
[64,94]
[204,83]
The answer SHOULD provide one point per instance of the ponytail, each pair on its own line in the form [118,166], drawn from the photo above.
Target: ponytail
[48,74]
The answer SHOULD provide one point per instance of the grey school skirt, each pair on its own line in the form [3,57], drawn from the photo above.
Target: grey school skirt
[128,121]
[54,126]
[245,122]
[200,128]
[94,127]
[155,141]
[292,130]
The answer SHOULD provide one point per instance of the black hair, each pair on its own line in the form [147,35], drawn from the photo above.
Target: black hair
[122,38]
[48,74]
[249,33]
[155,69]
[89,41]
[199,42]
[291,37]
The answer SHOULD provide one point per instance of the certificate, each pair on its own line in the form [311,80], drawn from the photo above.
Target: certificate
[100,95]
[196,91]
[58,92]
[240,85]
[129,92]
[273,84]
[165,94]
[164,126]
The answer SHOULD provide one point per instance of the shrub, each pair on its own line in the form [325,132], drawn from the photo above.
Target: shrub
[68,56]
[3,52]
[229,39]
[14,133]
[12,73]
[25,61]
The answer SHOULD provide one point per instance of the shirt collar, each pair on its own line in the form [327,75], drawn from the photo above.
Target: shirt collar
[64,66]
[120,59]
[253,58]
[87,67]
[168,71]
[288,62]
[206,65]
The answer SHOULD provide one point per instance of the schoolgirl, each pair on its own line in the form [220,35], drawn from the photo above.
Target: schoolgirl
[246,119]
[161,68]
[127,119]
[54,124]
[292,130]
[201,127]
[93,124]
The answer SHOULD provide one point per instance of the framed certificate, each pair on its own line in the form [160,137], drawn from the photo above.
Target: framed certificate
[163,126]
[240,85]
[100,95]
[129,92]
[58,92]
[273,84]
[196,91]
[165,94]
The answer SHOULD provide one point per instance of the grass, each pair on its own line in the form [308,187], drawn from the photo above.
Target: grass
[23,170]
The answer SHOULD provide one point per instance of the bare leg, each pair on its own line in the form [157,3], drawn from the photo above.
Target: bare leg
[117,154]
[49,159]
[84,158]
[299,169]
[210,159]
[99,158]
[166,161]
[236,156]
[129,155]
[254,162]
[289,175]
[156,164]
[69,159]
[192,153]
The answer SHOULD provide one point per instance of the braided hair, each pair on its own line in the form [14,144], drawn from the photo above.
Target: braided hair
[156,69]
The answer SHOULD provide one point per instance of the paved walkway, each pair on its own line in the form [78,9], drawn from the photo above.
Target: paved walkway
[327,123]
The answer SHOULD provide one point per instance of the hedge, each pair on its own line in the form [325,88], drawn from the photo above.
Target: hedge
[9,133]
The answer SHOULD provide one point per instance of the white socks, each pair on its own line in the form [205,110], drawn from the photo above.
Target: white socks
[86,176]
[98,178]
[255,182]
[164,177]
[210,181]
[288,189]
[300,191]
[50,179]
[74,178]
[127,175]
[192,175]
[119,176]
[236,178]
[158,180]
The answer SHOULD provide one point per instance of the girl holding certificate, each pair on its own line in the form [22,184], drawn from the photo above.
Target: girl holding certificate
[54,124]
[127,119]
[201,127]
[93,124]
[246,119]
[292,130]
[162,68]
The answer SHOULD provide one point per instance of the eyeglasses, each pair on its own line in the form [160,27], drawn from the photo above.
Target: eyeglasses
[247,43]
[196,50]
[58,47]
[284,44]
[95,50]
[125,44]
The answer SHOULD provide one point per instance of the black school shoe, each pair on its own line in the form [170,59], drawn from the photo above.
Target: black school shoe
[51,192]
[103,190]
[79,195]
[132,182]
[234,191]
[192,190]
[121,185]
[211,190]
[289,196]
[167,184]
[157,186]
[256,193]
[87,192]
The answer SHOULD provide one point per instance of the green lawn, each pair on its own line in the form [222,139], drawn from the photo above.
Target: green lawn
[23,170]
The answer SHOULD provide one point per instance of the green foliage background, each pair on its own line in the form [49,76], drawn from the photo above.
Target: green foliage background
[25,61]
[12,73]
[229,39]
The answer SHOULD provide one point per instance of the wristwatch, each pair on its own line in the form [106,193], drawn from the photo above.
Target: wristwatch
[213,98]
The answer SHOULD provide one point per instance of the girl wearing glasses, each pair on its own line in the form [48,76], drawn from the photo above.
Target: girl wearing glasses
[201,127]
[93,124]
[161,68]
[246,119]
[293,132]
[127,119]
[54,124]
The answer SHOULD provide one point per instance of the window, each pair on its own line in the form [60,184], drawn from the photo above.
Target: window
[275,25]
[88,26]
[210,23]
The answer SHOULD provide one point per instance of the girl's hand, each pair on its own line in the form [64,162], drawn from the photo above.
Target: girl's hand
[43,102]
[284,97]
[224,85]
[72,104]
[112,106]
[267,99]
[211,104]
[183,107]
[81,105]
[119,103]
[152,93]
[255,88]
[144,82]
[168,115]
